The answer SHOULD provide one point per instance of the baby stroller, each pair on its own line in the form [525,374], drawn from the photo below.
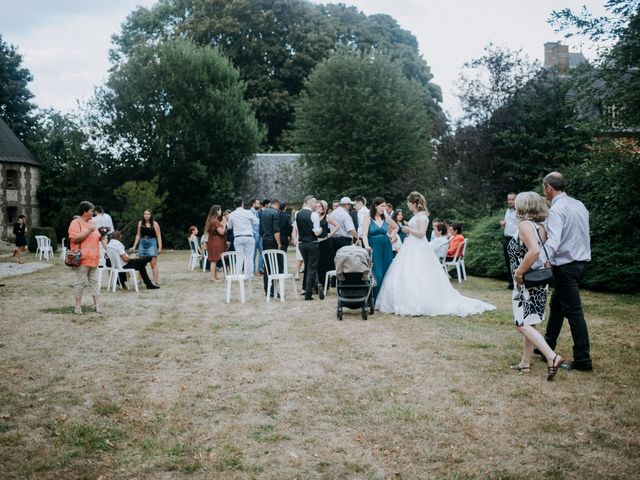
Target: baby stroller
[354,280]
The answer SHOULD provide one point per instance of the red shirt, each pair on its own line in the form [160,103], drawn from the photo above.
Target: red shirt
[455,241]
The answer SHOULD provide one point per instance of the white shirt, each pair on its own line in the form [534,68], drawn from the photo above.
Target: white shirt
[344,221]
[103,220]
[510,222]
[440,245]
[118,246]
[362,214]
[242,222]
[567,232]
[315,220]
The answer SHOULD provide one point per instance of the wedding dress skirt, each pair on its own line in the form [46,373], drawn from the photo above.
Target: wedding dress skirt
[416,284]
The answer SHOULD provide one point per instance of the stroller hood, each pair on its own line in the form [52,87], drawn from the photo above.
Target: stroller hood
[352,259]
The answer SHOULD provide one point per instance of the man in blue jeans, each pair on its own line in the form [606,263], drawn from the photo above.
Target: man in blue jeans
[256,209]
[242,222]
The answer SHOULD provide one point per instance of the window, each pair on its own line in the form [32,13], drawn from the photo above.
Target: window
[12,215]
[12,180]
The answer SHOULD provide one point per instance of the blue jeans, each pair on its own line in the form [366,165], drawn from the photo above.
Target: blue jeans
[246,246]
[258,250]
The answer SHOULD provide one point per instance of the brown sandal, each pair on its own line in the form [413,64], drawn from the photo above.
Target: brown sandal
[553,369]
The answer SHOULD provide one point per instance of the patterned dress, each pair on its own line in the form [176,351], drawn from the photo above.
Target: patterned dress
[528,303]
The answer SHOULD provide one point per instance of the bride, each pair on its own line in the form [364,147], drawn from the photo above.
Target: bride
[416,283]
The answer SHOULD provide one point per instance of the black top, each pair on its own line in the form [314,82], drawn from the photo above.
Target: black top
[325,227]
[305,226]
[285,227]
[148,232]
[269,223]
[19,229]
[354,217]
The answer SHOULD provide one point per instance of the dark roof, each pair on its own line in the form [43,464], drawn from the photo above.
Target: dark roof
[12,150]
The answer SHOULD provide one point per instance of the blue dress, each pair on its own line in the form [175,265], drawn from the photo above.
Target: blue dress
[381,252]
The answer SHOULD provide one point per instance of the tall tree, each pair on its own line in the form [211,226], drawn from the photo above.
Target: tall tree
[15,105]
[275,44]
[362,127]
[177,111]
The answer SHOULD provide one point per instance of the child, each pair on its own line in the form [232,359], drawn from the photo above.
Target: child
[20,231]
[193,237]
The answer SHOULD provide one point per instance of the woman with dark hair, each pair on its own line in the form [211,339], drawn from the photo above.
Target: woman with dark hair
[149,238]
[215,226]
[375,237]
[84,236]
[415,283]
[325,251]
[20,231]
[398,217]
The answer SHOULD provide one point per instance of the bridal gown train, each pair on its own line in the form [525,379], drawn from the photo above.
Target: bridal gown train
[416,283]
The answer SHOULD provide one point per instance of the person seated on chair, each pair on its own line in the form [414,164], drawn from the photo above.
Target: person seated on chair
[440,242]
[139,263]
[456,238]
[193,237]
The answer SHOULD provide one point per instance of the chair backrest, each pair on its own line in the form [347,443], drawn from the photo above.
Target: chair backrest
[232,263]
[63,243]
[192,246]
[442,250]
[43,241]
[102,260]
[464,249]
[271,261]
[114,257]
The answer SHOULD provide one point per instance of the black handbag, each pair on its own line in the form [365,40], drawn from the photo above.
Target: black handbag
[541,276]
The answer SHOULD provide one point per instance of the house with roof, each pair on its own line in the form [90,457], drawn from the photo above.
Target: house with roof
[19,180]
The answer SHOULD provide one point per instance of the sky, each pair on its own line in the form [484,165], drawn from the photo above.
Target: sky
[65,43]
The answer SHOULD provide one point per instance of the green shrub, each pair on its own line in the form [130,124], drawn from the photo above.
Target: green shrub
[47,232]
[607,184]
[484,248]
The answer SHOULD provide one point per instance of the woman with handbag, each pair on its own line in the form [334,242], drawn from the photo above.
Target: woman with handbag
[530,298]
[84,255]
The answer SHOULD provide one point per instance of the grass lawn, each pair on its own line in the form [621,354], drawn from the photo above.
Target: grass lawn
[175,383]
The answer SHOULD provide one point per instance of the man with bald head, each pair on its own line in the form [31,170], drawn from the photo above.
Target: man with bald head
[569,253]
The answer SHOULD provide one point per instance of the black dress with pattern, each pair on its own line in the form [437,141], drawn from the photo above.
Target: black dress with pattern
[528,303]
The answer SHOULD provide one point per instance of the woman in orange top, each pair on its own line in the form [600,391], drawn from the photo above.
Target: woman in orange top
[455,230]
[84,235]
[217,241]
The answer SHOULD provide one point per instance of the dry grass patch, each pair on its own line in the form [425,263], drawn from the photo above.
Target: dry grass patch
[175,383]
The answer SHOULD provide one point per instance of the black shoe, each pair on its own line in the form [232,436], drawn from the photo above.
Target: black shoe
[581,367]
[308,298]
[320,292]
[153,286]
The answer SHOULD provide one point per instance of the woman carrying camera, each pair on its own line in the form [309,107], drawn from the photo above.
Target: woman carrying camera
[84,236]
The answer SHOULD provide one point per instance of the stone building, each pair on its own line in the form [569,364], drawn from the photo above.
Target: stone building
[19,180]
[558,56]
[276,175]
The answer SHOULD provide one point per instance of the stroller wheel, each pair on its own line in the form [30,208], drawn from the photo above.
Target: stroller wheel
[365,312]
[339,313]
[371,306]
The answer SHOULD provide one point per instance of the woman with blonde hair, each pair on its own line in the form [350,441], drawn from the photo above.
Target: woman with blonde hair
[415,283]
[529,303]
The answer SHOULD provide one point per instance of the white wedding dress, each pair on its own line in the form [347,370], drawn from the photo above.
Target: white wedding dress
[416,283]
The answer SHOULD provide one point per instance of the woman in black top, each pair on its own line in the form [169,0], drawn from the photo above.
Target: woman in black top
[325,254]
[149,238]
[20,231]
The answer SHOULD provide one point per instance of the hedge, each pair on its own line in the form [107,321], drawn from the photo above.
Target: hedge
[47,232]
[484,256]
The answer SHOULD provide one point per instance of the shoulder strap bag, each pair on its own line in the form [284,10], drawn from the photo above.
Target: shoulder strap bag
[72,258]
[541,276]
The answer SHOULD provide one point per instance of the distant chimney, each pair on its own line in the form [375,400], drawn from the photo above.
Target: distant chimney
[556,55]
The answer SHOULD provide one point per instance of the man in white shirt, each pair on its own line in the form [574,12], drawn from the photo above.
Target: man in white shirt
[440,242]
[102,219]
[569,253]
[362,212]
[138,264]
[243,223]
[346,233]
[510,226]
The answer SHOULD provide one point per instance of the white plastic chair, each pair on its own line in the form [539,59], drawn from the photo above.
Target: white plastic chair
[327,277]
[44,250]
[195,257]
[233,269]
[274,274]
[117,267]
[458,261]
[205,259]
[441,253]
[63,250]
[102,266]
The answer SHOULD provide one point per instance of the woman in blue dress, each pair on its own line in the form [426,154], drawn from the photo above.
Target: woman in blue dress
[375,237]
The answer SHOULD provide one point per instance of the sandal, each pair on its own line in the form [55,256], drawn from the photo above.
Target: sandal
[520,369]
[553,369]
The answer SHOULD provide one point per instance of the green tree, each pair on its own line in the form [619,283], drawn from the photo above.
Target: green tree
[614,81]
[361,125]
[175,111]
[275,44]
[134,198]
[15,105]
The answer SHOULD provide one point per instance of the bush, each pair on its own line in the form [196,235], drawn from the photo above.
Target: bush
[484,251]
[47,232]
[607,184]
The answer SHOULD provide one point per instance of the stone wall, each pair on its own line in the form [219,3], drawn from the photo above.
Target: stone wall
[276,175]
[23,198]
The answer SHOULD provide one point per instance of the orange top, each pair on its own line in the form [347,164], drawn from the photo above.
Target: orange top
[90,246]
[455,241]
